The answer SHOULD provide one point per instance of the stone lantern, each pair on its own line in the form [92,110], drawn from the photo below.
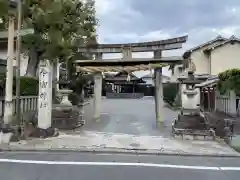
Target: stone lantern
[190,94]
[64,83]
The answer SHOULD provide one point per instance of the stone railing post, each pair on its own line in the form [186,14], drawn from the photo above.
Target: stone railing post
[232,103]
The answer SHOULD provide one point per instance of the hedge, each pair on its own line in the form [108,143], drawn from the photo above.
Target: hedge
[170,91]
[28,85]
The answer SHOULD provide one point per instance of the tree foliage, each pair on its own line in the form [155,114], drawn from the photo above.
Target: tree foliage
[229,80]
[59,27]
[170,91]
[29,85]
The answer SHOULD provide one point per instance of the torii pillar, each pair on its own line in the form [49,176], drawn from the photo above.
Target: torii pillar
[97,91]
[159,104]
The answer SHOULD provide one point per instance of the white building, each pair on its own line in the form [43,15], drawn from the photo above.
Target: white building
[213,57]
[3,53]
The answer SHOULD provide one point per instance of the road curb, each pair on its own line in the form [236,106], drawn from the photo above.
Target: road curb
[117,151]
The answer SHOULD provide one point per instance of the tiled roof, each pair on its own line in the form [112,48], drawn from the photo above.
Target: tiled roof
[152,75]
[218,38]
[231,39]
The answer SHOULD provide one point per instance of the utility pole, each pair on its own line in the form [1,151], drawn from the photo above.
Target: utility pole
[18,61]
[8,106]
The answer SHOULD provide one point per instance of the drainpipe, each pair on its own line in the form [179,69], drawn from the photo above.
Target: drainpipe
[210,63]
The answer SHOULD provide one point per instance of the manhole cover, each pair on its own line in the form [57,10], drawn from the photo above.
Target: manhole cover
[135,145]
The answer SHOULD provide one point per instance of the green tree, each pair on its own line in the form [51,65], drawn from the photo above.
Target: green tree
[59,27]
[229,80]
[170,91]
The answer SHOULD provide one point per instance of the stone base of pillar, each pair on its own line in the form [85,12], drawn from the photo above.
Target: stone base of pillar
[67,118]
[44,133]
[15,133]
[6,128]
[9,133]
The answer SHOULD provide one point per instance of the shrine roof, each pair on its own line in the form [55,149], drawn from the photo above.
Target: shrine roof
[209,82]
[191,81]
[122,76]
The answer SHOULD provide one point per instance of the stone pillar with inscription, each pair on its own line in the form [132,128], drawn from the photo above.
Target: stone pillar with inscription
[158,92]
[45,95]
[97,92]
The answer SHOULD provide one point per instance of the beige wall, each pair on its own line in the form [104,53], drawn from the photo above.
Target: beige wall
[225,57]
[176,73]
[201,61]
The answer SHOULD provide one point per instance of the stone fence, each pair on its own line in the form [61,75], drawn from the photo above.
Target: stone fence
[62,118]
[27,104]
[124,95]
[227,103]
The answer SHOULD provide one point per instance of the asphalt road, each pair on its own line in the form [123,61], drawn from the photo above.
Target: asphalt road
[129,116]
[75,166]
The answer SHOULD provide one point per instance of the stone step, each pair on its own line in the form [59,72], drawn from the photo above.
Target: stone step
[191,137]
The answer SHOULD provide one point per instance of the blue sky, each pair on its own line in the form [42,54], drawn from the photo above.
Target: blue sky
[122,21]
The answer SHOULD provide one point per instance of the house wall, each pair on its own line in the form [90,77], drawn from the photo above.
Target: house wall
[225,57]
[177,71]
[201,61]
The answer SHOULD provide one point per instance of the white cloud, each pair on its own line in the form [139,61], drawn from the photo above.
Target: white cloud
[103,7]
[115,8]
[228,31]
[122,22]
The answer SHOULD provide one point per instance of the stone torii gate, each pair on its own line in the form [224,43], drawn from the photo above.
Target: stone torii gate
[129,64]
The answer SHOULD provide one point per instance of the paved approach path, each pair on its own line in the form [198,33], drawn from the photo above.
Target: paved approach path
[129,116]
[126,126]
